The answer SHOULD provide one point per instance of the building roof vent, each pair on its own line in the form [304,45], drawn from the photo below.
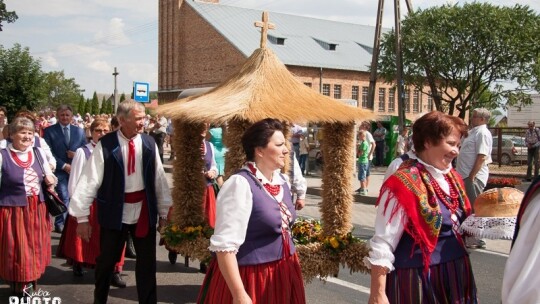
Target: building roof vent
[329,46]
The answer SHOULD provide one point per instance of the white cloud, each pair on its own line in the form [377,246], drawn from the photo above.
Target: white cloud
[114,34]
[100,66]
[50,60]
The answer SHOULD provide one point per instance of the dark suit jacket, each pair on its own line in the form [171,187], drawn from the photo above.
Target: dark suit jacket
[54,136]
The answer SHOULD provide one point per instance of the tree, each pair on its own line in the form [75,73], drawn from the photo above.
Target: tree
[9,17]
[88,106]
[122,97]
[60,90]
[81,105]
[462,51]
[103,107]
[21,79]
[95,104]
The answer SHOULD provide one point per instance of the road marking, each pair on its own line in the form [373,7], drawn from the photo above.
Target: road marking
[492,252]
[350,285]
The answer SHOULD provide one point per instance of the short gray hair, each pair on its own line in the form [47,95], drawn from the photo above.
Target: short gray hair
[21,123]
[62,108]
[125,107]
[482,112]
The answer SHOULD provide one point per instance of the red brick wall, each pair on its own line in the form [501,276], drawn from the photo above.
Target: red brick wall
[192,54]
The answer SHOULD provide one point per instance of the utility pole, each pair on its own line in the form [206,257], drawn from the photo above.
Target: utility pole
[115,90]
[399,67]
[399,62]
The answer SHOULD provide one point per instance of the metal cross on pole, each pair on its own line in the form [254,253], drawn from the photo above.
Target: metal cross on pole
[265,26]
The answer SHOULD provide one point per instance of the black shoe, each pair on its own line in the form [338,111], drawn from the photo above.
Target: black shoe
[78,271]
[172,257]
[117,281]
[58,228]
[130,248]
[202,268]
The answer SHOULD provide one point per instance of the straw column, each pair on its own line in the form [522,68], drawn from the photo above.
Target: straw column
[338,153]
[188,179]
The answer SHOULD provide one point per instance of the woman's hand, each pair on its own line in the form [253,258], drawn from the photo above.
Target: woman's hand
[379,298]
[242,299]
[84,231]
[50,182]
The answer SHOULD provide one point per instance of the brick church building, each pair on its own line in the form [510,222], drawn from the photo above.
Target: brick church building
[201,43]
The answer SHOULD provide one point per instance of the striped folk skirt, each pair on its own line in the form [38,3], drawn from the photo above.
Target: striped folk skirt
[25,241]
[450,282]
[74,249]
[278,282]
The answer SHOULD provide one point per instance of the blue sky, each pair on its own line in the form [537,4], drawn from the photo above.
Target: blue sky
[87,39]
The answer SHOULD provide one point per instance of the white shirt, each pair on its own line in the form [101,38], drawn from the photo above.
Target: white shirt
[521,278]
[394,165]
[77,165]
[92,177]
[479,141]
[371,141]
[233,210]
[388,232]
[298,183]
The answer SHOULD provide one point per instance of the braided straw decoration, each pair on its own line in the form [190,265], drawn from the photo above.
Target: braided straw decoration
[188,179]
[338,153]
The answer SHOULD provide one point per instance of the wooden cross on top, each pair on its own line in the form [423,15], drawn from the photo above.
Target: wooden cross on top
[265,25]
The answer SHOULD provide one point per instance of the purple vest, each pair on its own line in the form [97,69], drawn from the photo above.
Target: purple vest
[12,191]
[263,241]
[208,159]
[86,151]
[448,247]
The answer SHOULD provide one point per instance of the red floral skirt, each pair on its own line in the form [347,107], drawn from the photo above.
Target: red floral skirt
[73,248]
[277,282]
[25,241]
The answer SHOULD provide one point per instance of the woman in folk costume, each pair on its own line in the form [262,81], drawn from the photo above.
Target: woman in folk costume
[417,254]
[256,261]
[78,252]
[25,229]
[521,278]
[210,172]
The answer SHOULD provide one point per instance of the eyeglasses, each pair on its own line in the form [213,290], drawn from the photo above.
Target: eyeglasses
[101,130]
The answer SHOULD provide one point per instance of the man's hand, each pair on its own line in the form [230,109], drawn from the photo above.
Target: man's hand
[162,224]
[67,168]
[84,231]
[300,203]
[70,154]
[210,174]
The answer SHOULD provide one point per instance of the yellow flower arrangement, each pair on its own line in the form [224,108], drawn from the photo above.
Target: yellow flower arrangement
[174,235]
[307,231]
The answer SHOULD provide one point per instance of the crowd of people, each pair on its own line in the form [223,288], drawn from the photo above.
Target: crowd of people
[109,172]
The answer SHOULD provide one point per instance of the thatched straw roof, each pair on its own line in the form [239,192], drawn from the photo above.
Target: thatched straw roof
[262,88]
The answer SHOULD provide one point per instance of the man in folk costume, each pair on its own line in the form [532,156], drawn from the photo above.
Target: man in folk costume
[126,176]
[521,280]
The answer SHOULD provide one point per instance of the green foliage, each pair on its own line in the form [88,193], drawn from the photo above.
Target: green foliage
[81,105]
[60,90]
[460,52]
[21,79]
[9,17]
[94,105]
[88,106]
[122,97]
[103,106]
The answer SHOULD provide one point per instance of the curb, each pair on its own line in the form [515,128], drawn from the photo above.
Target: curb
[362,199]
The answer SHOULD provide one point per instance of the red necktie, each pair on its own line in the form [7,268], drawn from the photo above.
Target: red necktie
[131,157]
